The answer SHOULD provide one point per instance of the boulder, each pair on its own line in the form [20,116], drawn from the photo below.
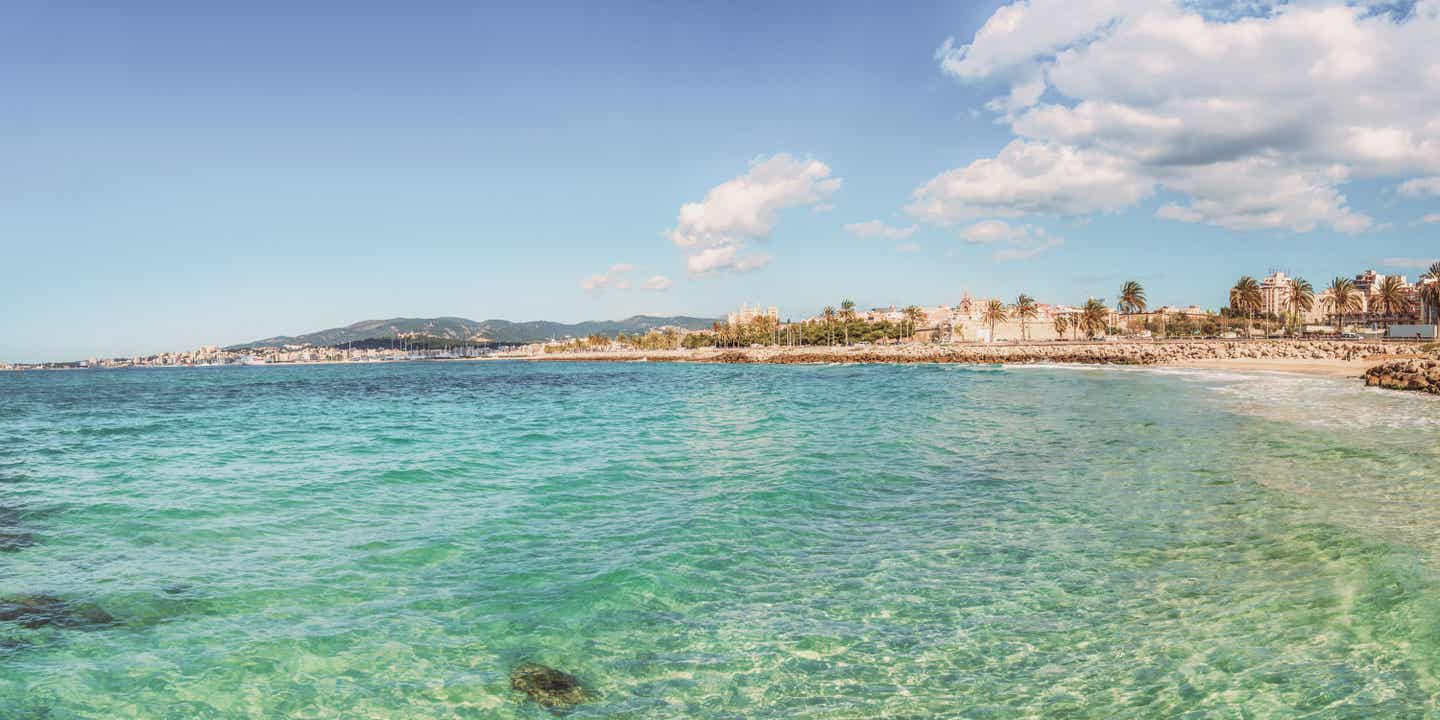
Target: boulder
[40,610]
[547,686]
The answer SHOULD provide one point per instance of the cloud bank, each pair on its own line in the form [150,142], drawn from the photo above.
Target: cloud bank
[717,231]
[1249,117]
[876,228]
[617,278]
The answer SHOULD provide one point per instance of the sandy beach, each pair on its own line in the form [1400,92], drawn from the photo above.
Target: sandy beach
[1317,367]
[1326,358]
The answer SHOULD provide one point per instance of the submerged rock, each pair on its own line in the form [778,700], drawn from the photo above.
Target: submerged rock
[549,687]
[39,610]
[14,541]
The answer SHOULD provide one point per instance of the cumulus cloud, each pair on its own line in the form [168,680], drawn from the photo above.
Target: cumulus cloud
[1260,194]
[613,279]
[716,231]
[1420,187]
[1409,262]
[617,278]
[724,258]
[1026,253]
[658,283]
[1022,241]
[989,231]
[1111,100]
[875,228]
[1031,178]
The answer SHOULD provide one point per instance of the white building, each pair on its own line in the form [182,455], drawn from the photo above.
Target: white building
[747,313]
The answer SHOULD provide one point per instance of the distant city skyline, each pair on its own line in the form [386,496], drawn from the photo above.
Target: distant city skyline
[178,176]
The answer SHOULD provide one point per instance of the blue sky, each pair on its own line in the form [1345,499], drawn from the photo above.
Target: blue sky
[174,175]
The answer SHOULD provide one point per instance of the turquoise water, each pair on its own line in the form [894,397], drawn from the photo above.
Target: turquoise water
[719,542]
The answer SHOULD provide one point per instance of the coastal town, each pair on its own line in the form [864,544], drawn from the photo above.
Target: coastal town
[1368,306]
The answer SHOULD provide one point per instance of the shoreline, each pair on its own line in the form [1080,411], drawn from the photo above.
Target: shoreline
[1323,358]
[1340,369]
[1316,358]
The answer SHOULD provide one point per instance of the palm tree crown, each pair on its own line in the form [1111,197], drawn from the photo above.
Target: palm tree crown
[1430,292]
[994,313]
[914,315]
[1093,317]
[1390,295]
[1342,298]
[1245,298]
[1302,298]
[1132,298]
[1025,310]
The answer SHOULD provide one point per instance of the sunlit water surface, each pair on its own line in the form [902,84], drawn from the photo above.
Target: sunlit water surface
[720,542]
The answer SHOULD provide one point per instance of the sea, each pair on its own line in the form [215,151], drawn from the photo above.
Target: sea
[716,541]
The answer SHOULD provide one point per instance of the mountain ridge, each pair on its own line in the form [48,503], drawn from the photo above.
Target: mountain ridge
[467,330]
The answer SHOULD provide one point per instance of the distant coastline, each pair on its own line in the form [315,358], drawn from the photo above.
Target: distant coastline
[1331,358]
[1317,357]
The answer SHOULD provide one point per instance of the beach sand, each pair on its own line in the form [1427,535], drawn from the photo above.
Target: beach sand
[1321,368]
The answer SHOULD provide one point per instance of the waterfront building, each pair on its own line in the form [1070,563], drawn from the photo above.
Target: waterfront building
[1275,294]
[747,313]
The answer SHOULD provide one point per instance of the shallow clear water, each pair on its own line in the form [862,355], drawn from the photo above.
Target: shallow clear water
[721,542]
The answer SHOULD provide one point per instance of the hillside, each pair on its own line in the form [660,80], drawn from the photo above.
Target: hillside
[462,329]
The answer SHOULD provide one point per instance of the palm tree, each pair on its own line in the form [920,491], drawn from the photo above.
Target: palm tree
[1430,293]
[847,315]
[1062,323]
[1092,318]
[915,314]
[1341,298]
[829,314]
[1390,296]
[1025,310]
[1302,298]
[994,312]
[1245,298]
[1132,298]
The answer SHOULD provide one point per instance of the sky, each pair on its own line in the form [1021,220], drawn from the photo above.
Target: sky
[176,174]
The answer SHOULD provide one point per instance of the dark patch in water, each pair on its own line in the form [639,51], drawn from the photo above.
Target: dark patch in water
[547,686]
[39,610]
[15,541]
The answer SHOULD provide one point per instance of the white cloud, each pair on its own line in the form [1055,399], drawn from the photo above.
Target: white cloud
[909,247]
[716,230]
[1409,262]
[1420,187]
[658,283]
[875,228]
[711,259]
[1259,194]
[1023,241]
[613,279]
[724,258]
[1027,253]
[1129,96]
[1031,178]
[989,231]
[751,262]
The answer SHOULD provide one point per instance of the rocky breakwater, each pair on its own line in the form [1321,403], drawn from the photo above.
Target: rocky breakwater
[1422,374]
[1095,353]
